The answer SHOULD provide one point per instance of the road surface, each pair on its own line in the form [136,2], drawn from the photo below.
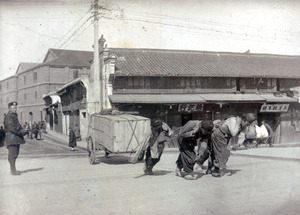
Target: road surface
[58,181]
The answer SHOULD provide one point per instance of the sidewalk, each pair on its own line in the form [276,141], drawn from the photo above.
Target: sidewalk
[64,138]
[288,151]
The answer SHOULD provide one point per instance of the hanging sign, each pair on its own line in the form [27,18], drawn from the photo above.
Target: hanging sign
[190,107]
[274,108]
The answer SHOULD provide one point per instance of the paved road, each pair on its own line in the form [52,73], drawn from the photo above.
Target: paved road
[60,181]
[44,147]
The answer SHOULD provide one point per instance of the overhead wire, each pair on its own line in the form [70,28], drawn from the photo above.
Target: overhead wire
[210,22]
[87,12]
[244,35]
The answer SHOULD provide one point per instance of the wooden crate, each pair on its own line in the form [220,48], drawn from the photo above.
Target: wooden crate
[119,133]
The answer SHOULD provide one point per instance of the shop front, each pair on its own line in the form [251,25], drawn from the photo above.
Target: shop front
[176,110]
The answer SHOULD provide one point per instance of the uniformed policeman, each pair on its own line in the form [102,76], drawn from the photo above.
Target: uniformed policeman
[14,136]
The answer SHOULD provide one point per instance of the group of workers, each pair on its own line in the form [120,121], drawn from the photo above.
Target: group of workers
[198,141]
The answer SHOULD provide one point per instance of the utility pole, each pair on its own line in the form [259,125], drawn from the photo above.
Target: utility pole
[96,55]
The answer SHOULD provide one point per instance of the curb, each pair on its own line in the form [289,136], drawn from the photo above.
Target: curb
[52,137]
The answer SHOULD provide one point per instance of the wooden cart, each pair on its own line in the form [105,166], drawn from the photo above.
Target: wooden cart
[117,134]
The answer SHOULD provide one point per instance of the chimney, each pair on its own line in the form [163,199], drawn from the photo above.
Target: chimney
[105,52]
[101,42]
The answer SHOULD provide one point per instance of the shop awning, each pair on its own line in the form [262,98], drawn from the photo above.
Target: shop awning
[156,98]
[198,98]
[278,98]
[55,104]
[226,97]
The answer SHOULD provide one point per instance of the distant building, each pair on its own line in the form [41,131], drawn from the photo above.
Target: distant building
[8,93]
[33,81]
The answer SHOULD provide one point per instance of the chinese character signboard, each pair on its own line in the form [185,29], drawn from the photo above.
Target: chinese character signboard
[190,107]
[274,108]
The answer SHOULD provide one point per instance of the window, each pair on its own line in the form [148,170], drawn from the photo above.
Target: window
[35,94]
[7,85]
[75,74]
[147,83]
[130,81]
[35,76]
[24,96]
[24,80]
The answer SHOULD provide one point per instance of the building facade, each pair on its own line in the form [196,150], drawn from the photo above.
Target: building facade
[181,85]
[33,81]
[8,93]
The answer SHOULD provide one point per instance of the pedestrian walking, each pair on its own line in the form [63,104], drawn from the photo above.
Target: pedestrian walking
[35,130]
[194,132]
[77,133]
[231,127]
[72,139]
[2,136]
[26,126]
[14,136]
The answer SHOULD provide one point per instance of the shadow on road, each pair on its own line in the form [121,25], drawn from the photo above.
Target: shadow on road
[114,159]
[230,172]
[155,173]
[32,170]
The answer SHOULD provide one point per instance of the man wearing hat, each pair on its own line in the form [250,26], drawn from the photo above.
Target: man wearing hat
[232,126]
[160,132]
[14,136]
[194,132]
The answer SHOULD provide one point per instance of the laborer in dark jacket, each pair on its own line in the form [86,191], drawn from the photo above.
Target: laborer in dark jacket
[72,139]
[14,136]
[193,133]
[156,144]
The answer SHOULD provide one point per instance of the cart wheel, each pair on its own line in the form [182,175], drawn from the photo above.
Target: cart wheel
[89,145]
[141,156]
[91,151]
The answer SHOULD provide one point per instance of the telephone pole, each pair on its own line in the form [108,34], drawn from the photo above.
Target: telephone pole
[96,65]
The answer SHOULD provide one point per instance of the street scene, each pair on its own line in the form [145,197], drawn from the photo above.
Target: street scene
[56,180]
[149,107]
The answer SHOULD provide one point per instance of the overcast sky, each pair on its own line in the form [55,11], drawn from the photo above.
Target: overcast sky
[29,28]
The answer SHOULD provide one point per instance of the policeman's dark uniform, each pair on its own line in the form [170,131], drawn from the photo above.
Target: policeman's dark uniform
[14,137]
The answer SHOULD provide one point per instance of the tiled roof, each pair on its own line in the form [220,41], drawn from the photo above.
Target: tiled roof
[23,66]
[154,62]
[71,58]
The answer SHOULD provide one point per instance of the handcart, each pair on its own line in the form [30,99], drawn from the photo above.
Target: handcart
[121,133]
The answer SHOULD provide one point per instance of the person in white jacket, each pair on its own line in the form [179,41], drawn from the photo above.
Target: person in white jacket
[232,126]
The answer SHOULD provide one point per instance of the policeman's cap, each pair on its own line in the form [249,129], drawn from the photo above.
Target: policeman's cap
[12,103]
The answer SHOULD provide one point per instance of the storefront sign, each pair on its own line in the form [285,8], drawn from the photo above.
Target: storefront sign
[190,107]
[274,108]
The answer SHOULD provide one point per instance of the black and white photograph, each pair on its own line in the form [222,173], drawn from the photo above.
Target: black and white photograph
[147,107]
